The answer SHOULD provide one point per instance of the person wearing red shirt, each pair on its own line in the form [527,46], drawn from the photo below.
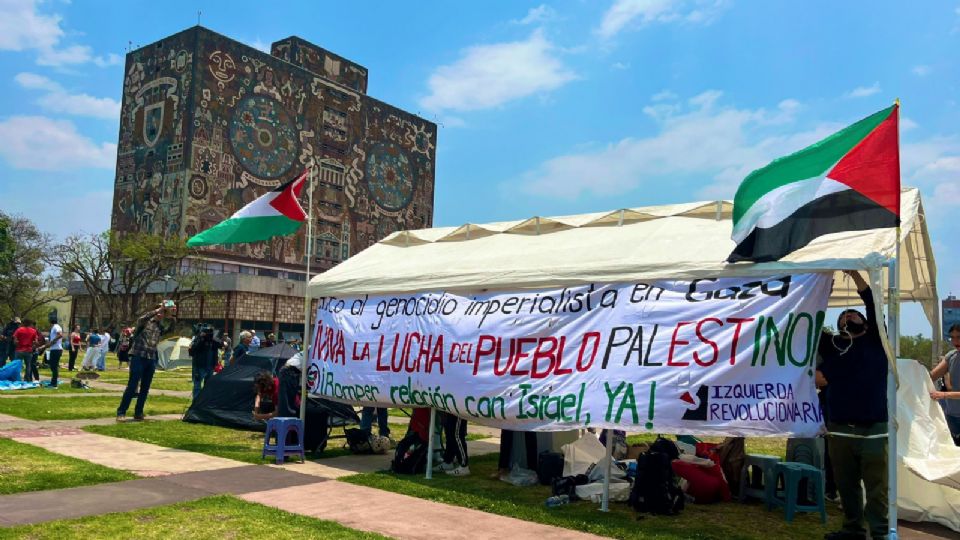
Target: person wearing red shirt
[25,341]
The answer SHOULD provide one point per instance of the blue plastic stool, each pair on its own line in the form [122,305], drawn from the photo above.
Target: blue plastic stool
[758,477]
[792,474]
[280,427]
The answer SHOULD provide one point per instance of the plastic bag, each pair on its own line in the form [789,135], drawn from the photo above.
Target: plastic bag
[521,477]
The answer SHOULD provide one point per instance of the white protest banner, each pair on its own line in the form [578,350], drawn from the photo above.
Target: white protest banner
[709,356]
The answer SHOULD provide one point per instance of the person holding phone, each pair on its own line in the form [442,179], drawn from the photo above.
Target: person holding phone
[143,356]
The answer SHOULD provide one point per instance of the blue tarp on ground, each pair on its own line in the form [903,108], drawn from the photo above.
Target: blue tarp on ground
[11,371]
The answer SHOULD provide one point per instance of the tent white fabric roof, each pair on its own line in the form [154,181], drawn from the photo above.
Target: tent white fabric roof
[678,241]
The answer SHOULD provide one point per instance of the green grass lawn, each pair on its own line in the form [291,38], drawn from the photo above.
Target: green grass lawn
[229,443]
[212,518]
[721,521]
[73,408]
[771,446]
[27,468]
[223,442]
[64,388]
[179,382]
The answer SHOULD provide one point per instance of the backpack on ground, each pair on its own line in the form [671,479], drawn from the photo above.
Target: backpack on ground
[358,440]
[655,489]
[410,456]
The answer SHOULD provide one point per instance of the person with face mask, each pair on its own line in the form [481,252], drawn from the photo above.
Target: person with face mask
[949,369]
[855,368]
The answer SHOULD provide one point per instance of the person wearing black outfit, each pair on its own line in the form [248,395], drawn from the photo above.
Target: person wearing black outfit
[855,368]
[506,451]
[7,346]
[204,351]
[455,460]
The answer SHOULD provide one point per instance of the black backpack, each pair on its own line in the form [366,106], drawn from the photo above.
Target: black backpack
[655,489]
[410,456]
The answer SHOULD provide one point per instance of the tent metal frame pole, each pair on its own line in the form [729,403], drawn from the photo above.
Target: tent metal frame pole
[893,315]
[431,437]
[608,453]
[305,353]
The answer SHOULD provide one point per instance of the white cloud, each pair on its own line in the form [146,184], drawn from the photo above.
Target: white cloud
[539,14]
[863,91]
[664,95]
[72,55]
[57,99]
[907,124]
[109,60]
[41,143]
[625,13]
[260,45]
[23,28]
[921,71]
[620,66]
[723,138]
[487,76]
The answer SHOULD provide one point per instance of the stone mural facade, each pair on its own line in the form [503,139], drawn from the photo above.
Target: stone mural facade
[208,124]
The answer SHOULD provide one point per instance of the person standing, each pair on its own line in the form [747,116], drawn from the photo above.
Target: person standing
[254,345]
[383,424]
[455,460]
[949,369]
[123,347]
[56,351]
[25,339]
[93,350]
[227,350]
[74,344]
[855,368]
[104,348]
[204,350]
[143,356]
[8,348]
[270,341]
[242,348]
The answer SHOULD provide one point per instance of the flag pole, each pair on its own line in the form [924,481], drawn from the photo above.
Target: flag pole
[305,353]
[893,316]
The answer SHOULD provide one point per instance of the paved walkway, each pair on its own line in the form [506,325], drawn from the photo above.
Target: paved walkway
[309,489]
[37,507]
[402,516]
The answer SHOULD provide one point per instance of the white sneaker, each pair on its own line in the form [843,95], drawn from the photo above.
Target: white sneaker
[445,467]
[459,471]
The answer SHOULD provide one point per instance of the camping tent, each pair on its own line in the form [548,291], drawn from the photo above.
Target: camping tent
[679,241]
[270,359]
[227,400]
[174,353]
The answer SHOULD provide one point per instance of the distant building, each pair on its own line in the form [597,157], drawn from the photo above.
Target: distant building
[208,124]
[951,313]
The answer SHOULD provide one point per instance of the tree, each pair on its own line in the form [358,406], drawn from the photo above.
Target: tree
[118,270]
[7,245]
[25,284]
[918,348]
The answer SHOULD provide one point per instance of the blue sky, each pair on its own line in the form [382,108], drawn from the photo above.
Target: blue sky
[545,108]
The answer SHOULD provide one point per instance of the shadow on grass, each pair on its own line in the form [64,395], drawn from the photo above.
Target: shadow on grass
[480,492]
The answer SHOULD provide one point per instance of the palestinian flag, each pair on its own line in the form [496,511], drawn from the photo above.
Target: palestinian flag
[849,181]
[275,213]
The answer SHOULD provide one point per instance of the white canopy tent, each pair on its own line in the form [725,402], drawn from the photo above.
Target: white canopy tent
[679,241]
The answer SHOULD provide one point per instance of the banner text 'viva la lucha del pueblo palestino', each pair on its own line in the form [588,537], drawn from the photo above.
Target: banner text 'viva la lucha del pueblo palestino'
[727,356]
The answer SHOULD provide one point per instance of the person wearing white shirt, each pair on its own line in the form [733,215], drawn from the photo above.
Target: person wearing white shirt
[56,351]
[104,347]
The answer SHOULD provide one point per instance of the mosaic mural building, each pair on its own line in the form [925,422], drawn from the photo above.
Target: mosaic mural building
[208,124]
